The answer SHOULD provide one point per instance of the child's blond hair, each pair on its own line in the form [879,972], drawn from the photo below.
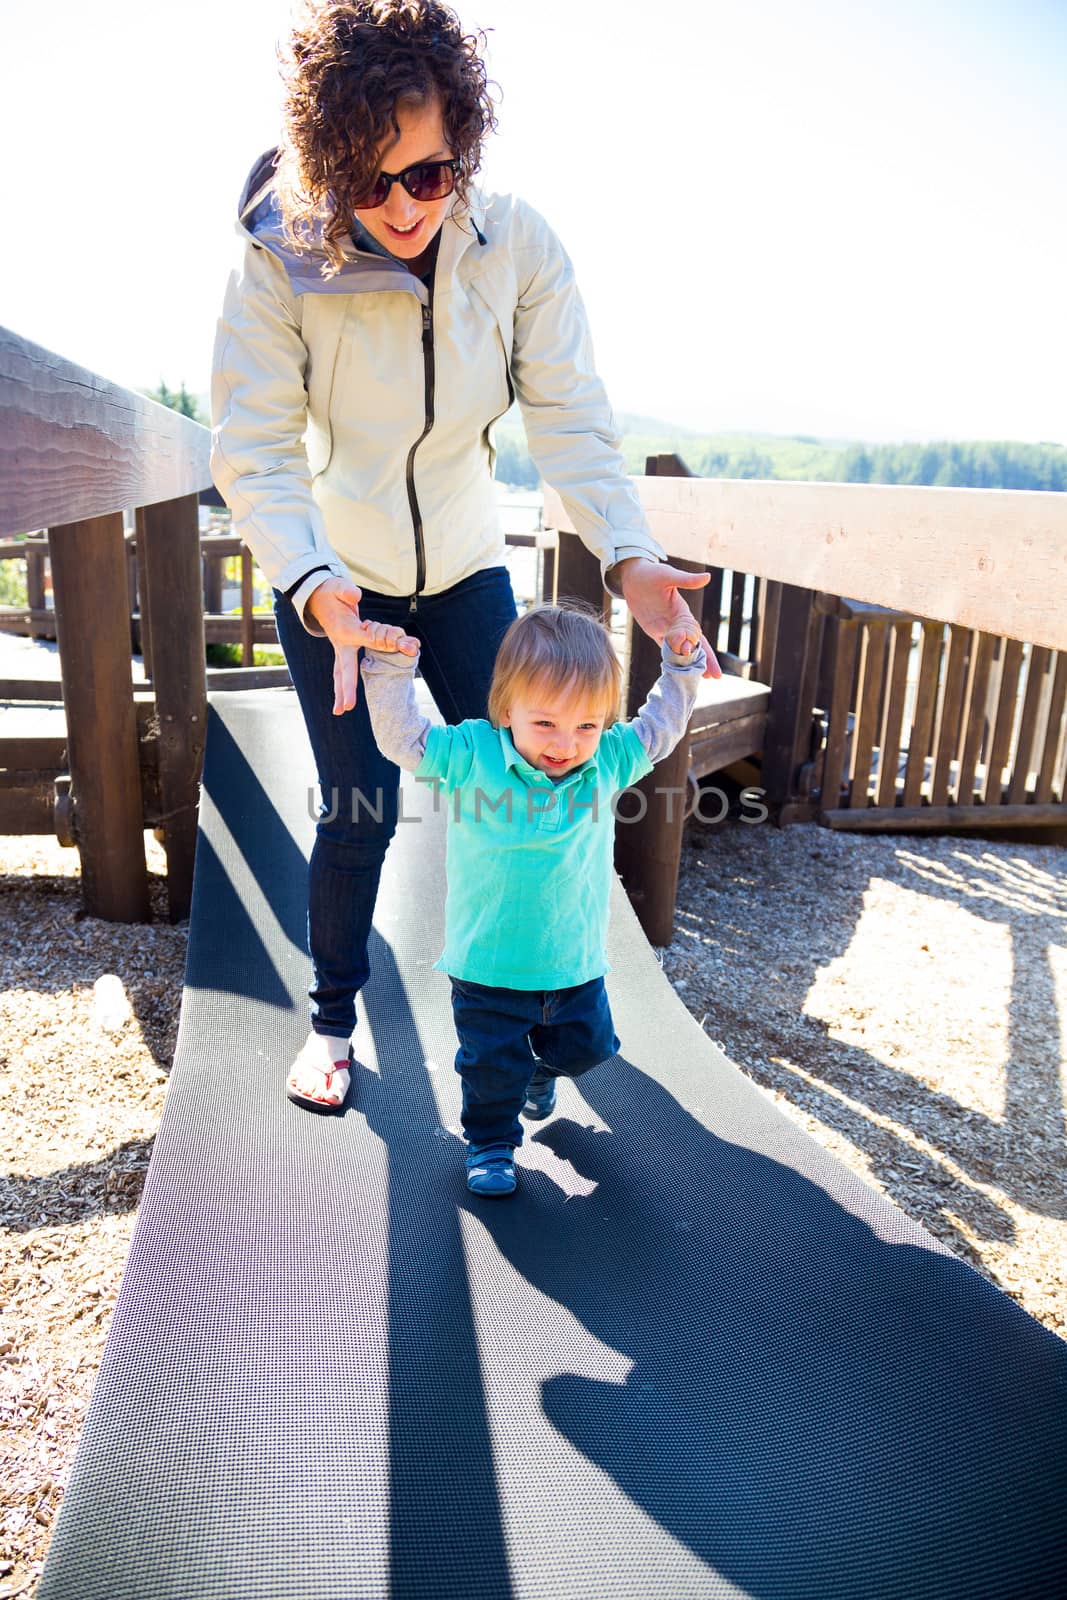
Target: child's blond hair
[556,649]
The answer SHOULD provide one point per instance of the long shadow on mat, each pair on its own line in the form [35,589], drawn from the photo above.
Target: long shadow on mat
[811,1410]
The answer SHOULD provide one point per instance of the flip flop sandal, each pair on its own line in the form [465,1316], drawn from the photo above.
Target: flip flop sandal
[312,1102]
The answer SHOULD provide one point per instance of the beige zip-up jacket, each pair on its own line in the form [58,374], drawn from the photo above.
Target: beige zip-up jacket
[352,416]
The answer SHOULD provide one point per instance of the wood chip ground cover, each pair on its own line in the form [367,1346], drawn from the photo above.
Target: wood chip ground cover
[903,999]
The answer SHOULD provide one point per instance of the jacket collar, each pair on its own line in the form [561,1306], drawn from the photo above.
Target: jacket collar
[361,271]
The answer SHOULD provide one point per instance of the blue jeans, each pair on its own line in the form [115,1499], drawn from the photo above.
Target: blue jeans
[460,631]
[502,1032]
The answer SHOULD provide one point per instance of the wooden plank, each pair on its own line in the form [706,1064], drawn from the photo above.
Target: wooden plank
[92,618]
[74,446]
[899,630]
[38,622]
[23,549]
[41,752]
[948,735]
[28,807]
[727,742]
[994,559]
[1036,673]
[1054,735]
[172,584]
[248,678]
[982,647]
[872,663]
[834,778]
[763,661]
[922,718]
[939,819]
[1003,721]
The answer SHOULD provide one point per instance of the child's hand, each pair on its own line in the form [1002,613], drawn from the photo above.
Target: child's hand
[381,636]
[683,639]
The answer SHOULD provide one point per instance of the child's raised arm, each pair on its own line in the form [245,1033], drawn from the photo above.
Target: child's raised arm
[664,717]
[388,672]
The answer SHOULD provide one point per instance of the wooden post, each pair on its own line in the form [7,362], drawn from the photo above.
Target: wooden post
[792,690]
[648,850]
[578,574]
[172,597]
[248,620]
[93,628]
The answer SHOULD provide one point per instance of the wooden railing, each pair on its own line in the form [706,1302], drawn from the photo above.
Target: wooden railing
[902,707]
[75,450]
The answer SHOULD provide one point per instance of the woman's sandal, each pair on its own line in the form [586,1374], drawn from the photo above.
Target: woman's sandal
[335,1081]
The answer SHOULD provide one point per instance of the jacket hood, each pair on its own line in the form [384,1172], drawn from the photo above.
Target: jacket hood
[259,214]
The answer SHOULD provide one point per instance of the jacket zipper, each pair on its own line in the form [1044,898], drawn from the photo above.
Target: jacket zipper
[416,514]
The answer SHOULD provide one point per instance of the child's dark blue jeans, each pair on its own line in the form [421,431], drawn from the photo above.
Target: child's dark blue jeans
[501,1031]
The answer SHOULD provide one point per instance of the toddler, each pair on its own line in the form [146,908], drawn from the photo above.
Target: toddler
[530,851]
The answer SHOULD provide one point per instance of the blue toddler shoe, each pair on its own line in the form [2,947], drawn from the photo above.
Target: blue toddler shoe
[540,1096]
[491,1169]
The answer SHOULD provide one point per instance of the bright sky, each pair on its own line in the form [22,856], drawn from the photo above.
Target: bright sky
[840,217]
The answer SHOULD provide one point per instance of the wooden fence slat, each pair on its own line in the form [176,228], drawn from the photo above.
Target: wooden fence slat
[872,664]
[922,719]
[737,613]
[1036,671]
[833,757]
[982,647]
[93,627]
[1004,721]
[947,737]
[893,713]
[1053,733]
[171,582]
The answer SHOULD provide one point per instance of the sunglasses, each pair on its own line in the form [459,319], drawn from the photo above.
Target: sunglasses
[426,180]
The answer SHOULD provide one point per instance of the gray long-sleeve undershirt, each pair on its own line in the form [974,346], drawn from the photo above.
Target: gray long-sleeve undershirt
[400,728]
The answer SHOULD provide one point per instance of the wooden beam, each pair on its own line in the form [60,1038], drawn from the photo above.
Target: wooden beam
[937,819]
[93,626]
[994,559]
[74,446]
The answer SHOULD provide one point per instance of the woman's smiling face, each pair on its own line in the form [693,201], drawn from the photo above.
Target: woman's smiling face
[406,227]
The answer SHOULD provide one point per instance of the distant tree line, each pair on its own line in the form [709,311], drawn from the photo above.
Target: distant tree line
[978,465]
[963,464]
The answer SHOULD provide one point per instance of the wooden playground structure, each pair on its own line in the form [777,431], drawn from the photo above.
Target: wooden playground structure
[932,697]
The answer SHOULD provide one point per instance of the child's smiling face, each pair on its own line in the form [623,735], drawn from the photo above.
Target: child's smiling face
[555,731]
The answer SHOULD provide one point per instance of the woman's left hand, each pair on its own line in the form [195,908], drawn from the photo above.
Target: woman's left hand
[650,589]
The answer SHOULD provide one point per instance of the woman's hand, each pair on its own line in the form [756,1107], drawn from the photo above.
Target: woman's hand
[335,607]
[376,636]
[650,589]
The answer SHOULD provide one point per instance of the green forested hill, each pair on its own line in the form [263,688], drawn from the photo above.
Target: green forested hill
[979,464]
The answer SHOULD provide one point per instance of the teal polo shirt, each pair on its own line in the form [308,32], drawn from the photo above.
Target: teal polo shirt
[529,860]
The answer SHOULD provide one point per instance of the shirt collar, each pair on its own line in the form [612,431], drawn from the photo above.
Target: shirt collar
[512,758]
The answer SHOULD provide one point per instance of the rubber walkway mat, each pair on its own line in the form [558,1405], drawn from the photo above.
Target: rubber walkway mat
[692,1356]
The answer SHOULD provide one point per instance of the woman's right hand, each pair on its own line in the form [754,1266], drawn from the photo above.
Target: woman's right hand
[335,607]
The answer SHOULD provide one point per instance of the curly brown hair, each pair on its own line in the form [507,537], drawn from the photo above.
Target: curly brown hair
[346,67]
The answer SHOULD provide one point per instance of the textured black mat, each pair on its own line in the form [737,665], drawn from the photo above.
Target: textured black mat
[692,1357]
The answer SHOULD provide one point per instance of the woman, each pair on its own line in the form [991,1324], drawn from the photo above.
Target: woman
[384,314]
